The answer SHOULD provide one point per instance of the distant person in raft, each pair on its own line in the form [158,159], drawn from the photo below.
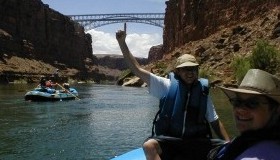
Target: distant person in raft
[182,125]
[46,85]
[50,84]
[66,88]
[256,113]
[42,82]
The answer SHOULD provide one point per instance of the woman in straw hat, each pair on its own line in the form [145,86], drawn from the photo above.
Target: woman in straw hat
[182,127]
[256,112]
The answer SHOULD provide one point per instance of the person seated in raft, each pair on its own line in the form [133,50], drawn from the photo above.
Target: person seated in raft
[50,84]
[66,88]
[46,85]
[183,125]
[256,111]
[42,85]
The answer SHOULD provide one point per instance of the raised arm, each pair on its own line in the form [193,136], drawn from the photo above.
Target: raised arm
[130,60]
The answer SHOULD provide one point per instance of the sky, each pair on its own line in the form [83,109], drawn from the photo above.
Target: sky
[140,37]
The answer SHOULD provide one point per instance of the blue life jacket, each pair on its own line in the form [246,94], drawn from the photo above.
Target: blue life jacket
[171,119]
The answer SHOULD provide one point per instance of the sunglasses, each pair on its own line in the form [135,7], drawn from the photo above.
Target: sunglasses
[251,103]
[190,69]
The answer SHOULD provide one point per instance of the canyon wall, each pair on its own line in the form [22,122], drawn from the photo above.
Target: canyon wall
[30,29]
[191,20]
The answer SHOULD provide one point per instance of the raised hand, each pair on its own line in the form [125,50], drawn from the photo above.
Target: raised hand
[121,34]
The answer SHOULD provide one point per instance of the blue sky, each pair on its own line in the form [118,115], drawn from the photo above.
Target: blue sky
[140,37]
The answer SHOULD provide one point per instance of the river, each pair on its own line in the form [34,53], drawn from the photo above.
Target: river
[108,121]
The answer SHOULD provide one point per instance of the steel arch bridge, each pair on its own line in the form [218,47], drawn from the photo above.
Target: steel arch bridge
[92,21]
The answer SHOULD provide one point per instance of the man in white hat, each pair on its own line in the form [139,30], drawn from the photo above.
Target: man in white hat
[186,110]
[256,113]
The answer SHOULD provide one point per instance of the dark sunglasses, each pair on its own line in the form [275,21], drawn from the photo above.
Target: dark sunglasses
[251,103]
[190,69]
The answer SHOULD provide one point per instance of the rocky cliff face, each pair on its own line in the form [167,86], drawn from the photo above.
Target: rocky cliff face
[191,20]
[30,29]
[155,53]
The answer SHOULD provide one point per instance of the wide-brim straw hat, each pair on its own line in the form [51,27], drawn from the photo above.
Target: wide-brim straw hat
[257,82]
[186,60]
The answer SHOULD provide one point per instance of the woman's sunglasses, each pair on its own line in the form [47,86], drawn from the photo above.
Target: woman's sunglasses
[251,103]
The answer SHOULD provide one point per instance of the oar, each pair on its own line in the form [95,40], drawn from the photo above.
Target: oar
[68,91]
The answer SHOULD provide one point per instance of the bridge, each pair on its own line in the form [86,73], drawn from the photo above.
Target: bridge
[92,21]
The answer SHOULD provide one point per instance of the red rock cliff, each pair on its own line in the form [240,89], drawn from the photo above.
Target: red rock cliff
[190,20]
[32,30]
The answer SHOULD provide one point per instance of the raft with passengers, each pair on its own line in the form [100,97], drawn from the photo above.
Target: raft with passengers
[46,91]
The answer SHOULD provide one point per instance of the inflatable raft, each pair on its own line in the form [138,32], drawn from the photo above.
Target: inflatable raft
[48,94]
